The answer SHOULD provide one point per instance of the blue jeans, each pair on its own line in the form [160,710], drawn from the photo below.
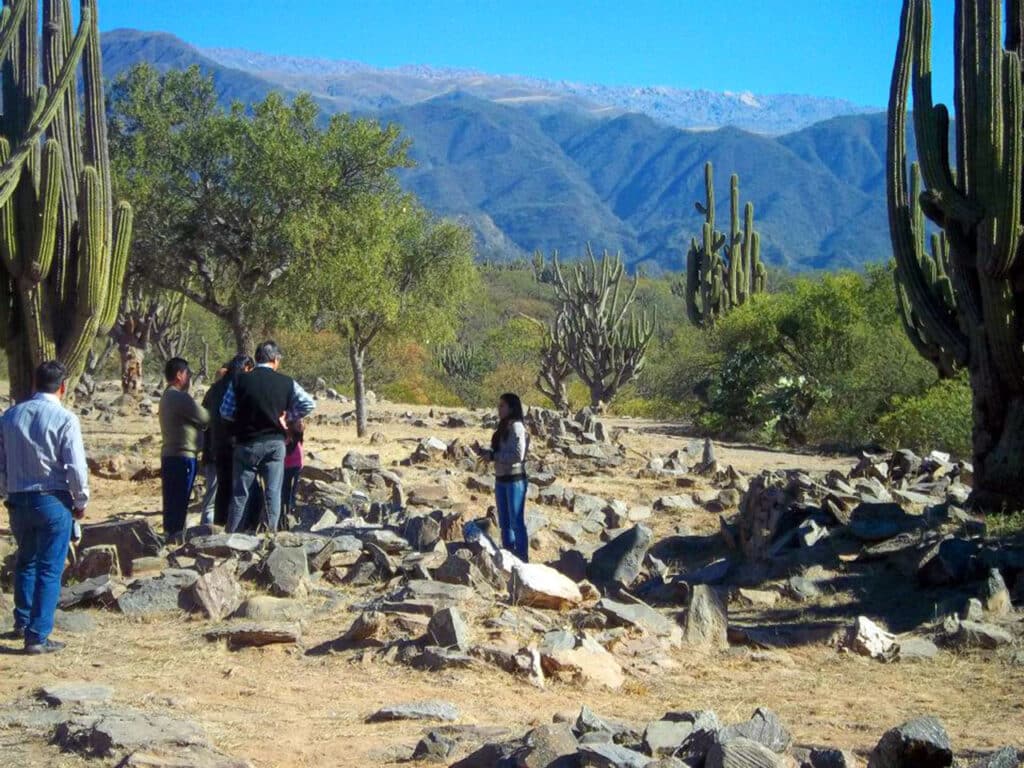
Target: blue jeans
[178,475]
[41,523]
[266,459]
[511,498]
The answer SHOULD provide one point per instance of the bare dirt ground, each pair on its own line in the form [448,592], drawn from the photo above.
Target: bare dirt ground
[283,706]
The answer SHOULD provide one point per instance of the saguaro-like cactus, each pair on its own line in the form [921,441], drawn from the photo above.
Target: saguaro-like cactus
[555,368]
[598,333]
[977,204]
[63,245]
[935,268]
[722,271]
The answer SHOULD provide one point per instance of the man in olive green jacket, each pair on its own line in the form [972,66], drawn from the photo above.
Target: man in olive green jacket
[182,421]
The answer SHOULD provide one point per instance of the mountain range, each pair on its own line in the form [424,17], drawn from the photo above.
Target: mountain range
[533,164]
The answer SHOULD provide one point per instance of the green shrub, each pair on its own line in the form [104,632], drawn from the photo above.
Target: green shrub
[939,418]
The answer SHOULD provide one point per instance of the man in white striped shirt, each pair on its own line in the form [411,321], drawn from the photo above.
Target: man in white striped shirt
[45,483]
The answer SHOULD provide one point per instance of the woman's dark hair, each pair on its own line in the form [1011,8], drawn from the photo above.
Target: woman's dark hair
[515,413]
[238,365]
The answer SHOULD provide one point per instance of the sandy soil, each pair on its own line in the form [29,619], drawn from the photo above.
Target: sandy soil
[285,707]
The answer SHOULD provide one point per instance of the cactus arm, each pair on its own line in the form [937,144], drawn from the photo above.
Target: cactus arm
[46,237]
[120,250]
[10,23]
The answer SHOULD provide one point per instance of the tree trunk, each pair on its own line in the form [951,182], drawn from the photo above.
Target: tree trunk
[998,438]
[598,397]
[131,369]
[245,343]
[357,357]
[20,367]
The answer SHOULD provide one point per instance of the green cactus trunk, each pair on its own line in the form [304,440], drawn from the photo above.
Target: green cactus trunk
[63,246]
[722,271]
[966,305]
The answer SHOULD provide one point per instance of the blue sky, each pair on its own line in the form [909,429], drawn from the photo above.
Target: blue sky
[840,48]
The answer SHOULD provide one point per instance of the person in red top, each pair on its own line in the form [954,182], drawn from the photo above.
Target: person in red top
[293,459]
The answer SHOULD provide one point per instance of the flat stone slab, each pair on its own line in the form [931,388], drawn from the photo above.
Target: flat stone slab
[107,733]
[225,544]
[72,694]
[420,710]
[158,594]
[255,635]
[187,757]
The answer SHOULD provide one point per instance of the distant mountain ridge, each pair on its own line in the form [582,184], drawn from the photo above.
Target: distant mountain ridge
[683,108]
[530,168]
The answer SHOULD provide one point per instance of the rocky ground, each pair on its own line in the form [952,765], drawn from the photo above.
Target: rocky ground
[687,604]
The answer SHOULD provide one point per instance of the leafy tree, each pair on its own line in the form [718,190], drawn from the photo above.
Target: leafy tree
[385,268]
[227,197]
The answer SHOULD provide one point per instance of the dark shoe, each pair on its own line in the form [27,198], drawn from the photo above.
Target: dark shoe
[18,633]
[47,646]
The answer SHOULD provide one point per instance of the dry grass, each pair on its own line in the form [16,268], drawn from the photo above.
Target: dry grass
[281,707]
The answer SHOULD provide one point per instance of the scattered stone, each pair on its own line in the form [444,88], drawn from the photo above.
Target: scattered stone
[264,608]
[165,593]
[588,663]
[611,756]
[1007,757]
[872,521]
[831,758]
[100,560]
[973,634]
[741,753]
[918,743]
[664,737]
[100,590]
[181,757]
[995,597]
[423,532]
[764,727]
[357,462]
[447,629]
[285,570]
[675,504]
[132,538]
[540,586]
[802,589]
[707,620]
[106,733]
[760,598]
[951,562]
[217,592]
[868,639]
[643,617]
[255,635]
[75,694]
[421,710]
[620,561]
[916,649]
[434,748]
[550,746]
[225,544]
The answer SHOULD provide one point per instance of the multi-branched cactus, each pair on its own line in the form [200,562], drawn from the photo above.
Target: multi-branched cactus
[722,271]
[597,332]
[976,199]
[63,245]
[460,362]
[555,368]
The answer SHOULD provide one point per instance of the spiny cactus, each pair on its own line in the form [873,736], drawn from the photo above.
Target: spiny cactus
[460,362]
[722,271]
[63,245]
[935,268]
[555,367]
[543,272]
[978,322]
[602,339]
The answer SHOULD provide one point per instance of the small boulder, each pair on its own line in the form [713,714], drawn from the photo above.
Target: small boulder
[918,743]
[540,586]
[707,620]
[620,561]
[285,570]
[447,629]
[868,639]
[420,710]
[741,753]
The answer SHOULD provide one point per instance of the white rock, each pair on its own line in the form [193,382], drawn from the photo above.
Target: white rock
[868,639]
[542,587]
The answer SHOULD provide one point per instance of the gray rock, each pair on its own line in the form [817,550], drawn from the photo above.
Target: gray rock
[831,758]
[707,620]
[973,634]
[675,504]
[437,591]
[436,658]
[664,737]
[694,748]
[447,629]
[225,544]
[217,592]
[434,748]
[133,538]
[101,590]
[951,562]
[916,649]
[107,733]
[420,710]
[253,635]
[549,746]
[389,541]
[872,521]
[918,743]
[357,462]
[995,597]
[643,617]
[489,756]
[165,593]
[75,623]
[422,532]
[802,589]
[264,608]
[620,560]
[75,694]
[285,570]
[181,757]
[1008,757]
[100,560]
[611,756]
[741,753]
[764,727]
[589,722]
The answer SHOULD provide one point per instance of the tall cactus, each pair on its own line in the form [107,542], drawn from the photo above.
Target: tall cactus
[63,245]
[722,272]
[935,268]
[979,323]
[603,340]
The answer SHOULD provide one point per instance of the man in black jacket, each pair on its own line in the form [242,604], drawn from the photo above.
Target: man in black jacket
[258,404]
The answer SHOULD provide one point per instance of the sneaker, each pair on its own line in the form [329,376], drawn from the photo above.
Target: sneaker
[18,633]
[47,646]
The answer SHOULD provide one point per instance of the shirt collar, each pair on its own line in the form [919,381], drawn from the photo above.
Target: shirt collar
[46,396]
[264,365]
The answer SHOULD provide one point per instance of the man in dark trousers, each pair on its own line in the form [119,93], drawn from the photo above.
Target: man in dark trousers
[182,421]
[259,404]
[220,445]
[45,481]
